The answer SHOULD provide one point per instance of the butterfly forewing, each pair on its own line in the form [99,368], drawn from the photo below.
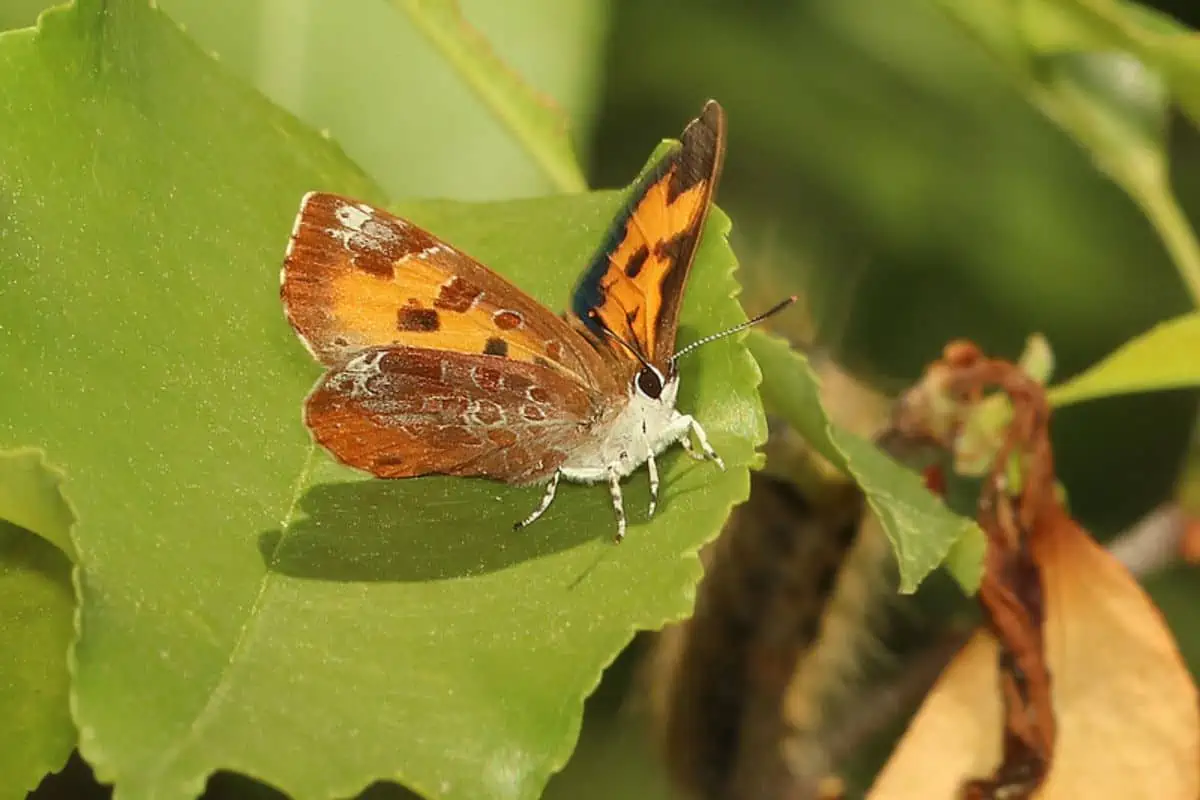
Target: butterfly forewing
[635,284]
[356,276]
[399,412]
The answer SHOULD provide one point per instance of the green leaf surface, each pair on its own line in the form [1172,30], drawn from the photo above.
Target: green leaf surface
[1165,357]
[1103,71]
[37,606]
[923,532]
[30,497]
[533,118]
[246,603]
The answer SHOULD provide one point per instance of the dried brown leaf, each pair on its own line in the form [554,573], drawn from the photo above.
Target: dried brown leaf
[1126,707]
[1075,688]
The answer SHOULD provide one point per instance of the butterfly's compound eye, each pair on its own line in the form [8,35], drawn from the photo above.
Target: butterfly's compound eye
[650,382]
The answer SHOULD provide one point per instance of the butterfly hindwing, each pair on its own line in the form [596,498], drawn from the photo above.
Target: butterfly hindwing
[635,284]
[399,412]
[356,276]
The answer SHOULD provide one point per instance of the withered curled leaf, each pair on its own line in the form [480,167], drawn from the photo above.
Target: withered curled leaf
[1075,688]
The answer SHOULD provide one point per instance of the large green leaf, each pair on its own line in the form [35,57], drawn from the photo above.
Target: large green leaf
[923,532]
[36,615]
[247,604]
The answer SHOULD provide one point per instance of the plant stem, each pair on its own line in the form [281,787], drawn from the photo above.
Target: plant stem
[1164,213]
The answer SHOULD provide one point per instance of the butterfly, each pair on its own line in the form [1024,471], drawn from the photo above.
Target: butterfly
[437,365]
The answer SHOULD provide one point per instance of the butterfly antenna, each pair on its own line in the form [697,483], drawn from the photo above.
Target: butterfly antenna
[747,324]
[609,333]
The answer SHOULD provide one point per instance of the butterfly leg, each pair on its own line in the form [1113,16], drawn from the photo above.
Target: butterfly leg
[652,465]
[546,501]
[704,445]
[691,450]
[614,488]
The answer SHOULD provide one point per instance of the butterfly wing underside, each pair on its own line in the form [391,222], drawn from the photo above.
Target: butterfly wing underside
[400,412]
[634,286]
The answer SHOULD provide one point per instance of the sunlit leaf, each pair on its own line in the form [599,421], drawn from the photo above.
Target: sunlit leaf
[1165,357]
[533,118]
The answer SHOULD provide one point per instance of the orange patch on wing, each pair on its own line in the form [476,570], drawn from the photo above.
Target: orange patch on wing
[639,265]
[366,306]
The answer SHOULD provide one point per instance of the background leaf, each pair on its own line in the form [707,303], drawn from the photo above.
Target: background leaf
[922,530]
[37,605]
[534,119]
[1166,357]
[1088,67]
[360,70]
[247,604]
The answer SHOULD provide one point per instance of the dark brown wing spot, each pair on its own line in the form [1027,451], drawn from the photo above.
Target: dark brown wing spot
[487,412]
[532,413]
[554,350]
[674,248]
[367,262]
[637,261]
[502,437]
[489,380]
[495,346]
[426,365]
[417,319]
[457,295]
[507,320]
[539,395]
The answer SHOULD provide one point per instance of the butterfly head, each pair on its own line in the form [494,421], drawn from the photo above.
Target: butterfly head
[652,383]
[649,382]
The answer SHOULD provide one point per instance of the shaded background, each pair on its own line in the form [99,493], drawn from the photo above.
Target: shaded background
[878,161]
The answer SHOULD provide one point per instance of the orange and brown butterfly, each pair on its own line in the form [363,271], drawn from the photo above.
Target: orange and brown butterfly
[437,365]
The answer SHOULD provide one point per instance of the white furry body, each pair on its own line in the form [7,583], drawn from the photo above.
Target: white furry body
[643,429]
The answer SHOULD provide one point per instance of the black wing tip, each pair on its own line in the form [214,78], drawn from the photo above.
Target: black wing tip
[712,117]
[706,135]
[713,112]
